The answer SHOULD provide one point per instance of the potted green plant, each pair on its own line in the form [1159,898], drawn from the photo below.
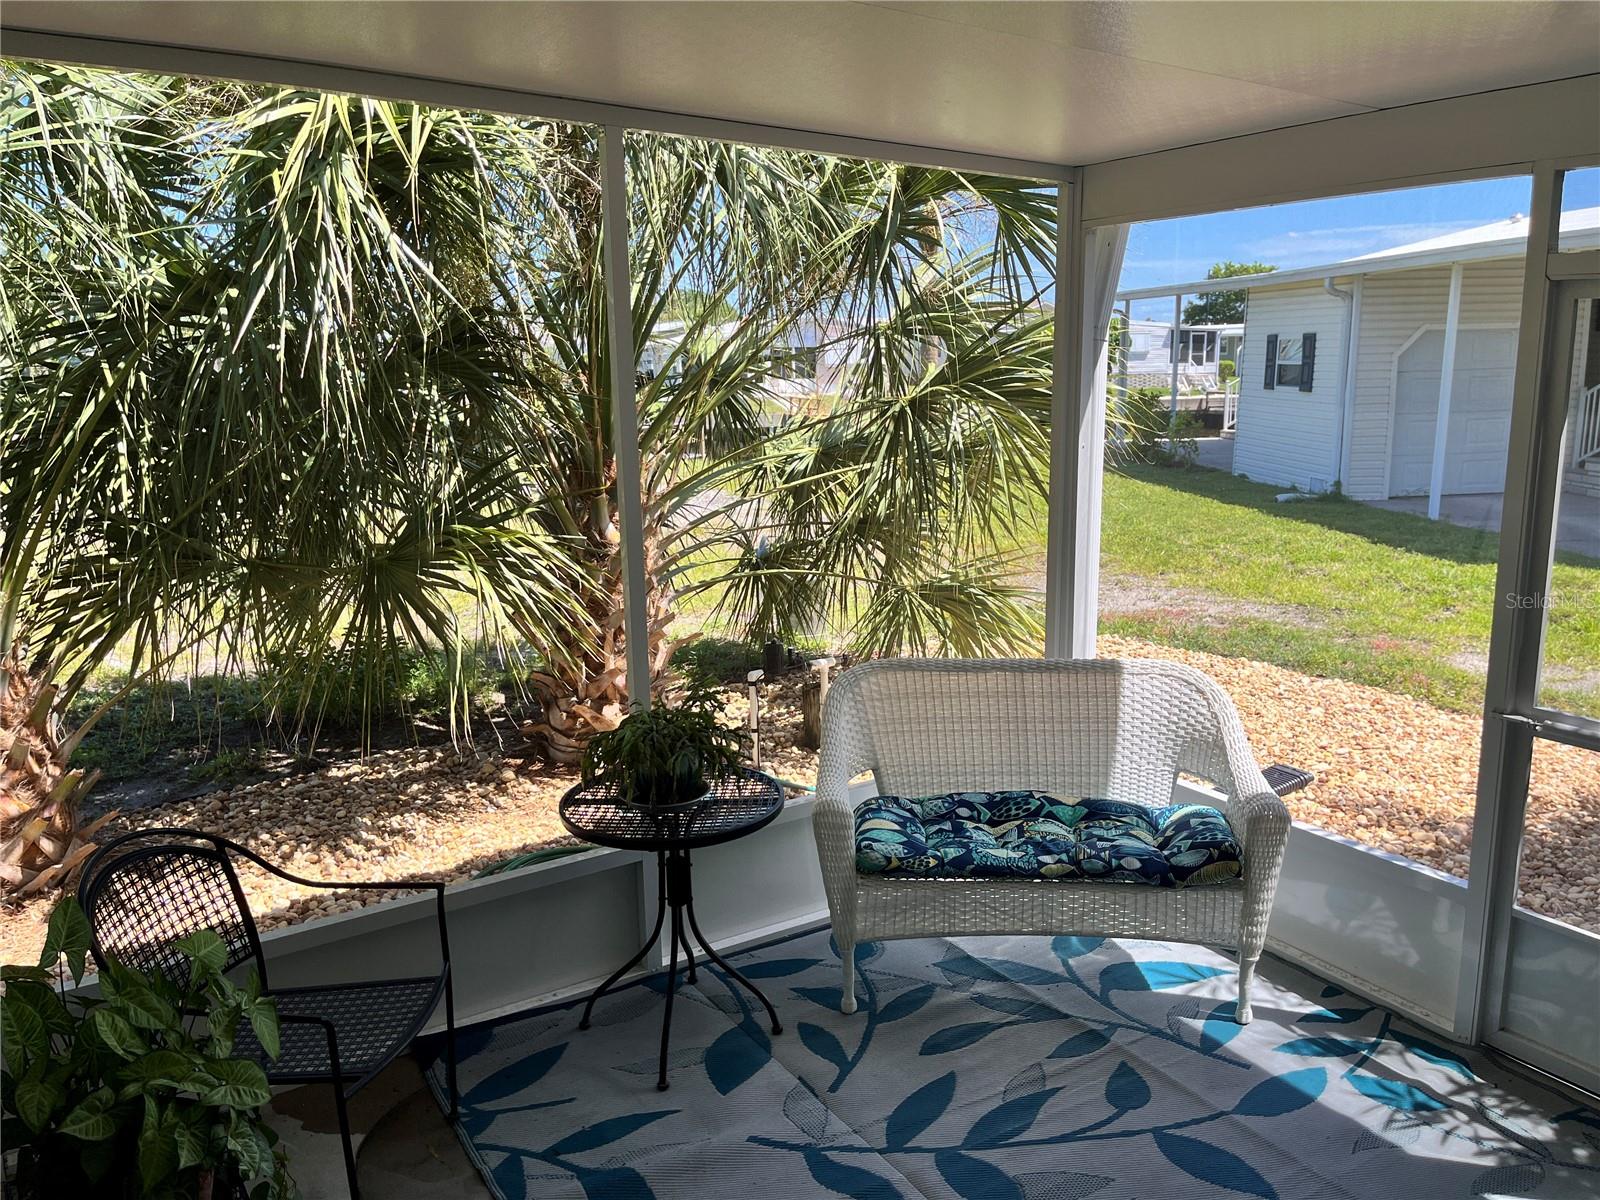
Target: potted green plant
[663,757]
[136,1092]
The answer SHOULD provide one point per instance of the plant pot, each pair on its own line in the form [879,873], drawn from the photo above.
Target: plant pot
[40,1176]
[34,1177]
[666,795]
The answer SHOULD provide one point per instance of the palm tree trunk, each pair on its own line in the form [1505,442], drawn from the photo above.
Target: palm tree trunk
[592,692]
[43,841]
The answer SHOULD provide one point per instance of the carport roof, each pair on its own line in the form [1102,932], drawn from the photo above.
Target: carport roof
[1580,230]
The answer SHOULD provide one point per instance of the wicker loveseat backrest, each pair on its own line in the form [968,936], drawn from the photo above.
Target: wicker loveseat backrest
[1110,728]
[144,891]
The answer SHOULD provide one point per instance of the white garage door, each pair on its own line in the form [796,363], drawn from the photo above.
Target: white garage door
[1480,413]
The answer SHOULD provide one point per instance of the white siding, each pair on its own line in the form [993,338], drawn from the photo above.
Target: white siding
[1286,436]
[1150,348]
[1394,306]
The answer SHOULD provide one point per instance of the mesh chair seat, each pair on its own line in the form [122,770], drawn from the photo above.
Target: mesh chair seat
[373,1022]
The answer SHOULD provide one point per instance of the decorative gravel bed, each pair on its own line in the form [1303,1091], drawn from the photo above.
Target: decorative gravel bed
[1392,772]
[1400,775]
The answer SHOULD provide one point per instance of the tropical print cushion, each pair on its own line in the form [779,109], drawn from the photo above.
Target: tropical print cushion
[1026,834]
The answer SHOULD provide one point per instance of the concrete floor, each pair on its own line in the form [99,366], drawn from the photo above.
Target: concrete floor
[1214,452]
[404,1148]
[1577,530]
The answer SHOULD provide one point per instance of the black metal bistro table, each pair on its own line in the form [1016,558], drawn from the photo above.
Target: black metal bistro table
[737,805]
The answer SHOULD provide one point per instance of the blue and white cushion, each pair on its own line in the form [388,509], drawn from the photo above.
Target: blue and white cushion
[1029,834]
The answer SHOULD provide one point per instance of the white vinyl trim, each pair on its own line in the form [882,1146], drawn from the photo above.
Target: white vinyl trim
[1177,336]
[1527,536]
[1087,266]
[1064,520]
[1347,391]
[1485,135]
[1447,380]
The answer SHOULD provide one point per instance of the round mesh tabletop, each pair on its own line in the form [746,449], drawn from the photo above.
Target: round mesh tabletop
[736,805]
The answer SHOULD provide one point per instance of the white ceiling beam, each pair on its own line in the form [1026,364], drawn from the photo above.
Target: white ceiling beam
[1488,134]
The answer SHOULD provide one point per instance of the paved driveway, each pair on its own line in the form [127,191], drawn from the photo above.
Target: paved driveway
[1577,528]
[1214,452]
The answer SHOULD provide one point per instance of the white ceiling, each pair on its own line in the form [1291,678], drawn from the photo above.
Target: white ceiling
[1053,82]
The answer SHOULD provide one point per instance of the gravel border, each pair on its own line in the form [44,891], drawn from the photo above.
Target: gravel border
[1392,772]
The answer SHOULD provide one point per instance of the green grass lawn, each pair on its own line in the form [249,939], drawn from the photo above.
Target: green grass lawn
[1389,599]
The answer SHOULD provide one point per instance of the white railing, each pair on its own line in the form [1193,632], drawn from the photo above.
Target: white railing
[1586,428]
[1230,406]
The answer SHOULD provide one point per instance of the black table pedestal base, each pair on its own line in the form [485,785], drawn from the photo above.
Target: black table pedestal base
[676,896]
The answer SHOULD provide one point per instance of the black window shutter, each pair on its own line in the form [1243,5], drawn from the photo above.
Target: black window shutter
[1308,359]
[1271,380]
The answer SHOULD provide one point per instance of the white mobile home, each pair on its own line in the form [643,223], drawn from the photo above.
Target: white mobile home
[1343,366]
[1201,351]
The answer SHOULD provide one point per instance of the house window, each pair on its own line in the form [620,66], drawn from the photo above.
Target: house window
[1288,375]
[1291,360]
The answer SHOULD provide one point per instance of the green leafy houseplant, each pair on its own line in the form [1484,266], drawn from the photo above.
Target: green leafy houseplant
[136,1093]
[661,757]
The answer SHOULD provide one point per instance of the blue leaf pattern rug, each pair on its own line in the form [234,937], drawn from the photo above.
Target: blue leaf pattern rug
[1007,1069]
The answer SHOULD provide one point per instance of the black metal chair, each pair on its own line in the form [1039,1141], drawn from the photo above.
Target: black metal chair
[145,890]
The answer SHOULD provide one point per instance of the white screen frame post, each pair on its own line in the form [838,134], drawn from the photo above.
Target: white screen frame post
[1066,556]
[1510,722]
[1087,265]
[625,411]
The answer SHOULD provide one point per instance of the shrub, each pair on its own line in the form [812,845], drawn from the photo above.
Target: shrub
[714,659]
[1179,449]
[1142,429]
[1137,420]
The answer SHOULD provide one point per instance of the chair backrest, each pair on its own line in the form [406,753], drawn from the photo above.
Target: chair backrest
[145,890]
[1100,727]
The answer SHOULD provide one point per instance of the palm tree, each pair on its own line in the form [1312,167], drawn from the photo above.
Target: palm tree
[84,160]
[314,380]
[946,344]
[257,385]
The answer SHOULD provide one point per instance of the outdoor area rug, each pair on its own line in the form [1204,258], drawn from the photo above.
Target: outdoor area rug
[1007,1069]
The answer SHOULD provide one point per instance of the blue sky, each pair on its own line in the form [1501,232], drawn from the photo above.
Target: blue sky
[1320,231]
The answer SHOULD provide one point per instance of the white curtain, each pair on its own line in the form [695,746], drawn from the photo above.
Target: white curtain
[1102,267]
[1079,504]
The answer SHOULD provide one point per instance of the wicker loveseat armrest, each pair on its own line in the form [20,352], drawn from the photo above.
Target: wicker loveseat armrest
[1257,814]
[1260,820]
[833,821]
[1255,811]
[846,753]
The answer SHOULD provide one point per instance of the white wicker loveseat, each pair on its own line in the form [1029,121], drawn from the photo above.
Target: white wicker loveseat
[1108,728]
